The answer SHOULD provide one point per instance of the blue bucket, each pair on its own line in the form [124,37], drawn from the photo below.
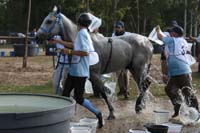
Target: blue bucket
[3,53]
[12,53]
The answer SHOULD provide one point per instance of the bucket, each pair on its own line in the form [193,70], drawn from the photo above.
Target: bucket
[12,53]
[74,124]
[3,53]
[89,122]
[137,131]
[173,128]
[35,113]
[19,49]
[161,116]
[156,128]
[80,129]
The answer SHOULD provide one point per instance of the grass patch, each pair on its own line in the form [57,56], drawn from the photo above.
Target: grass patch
[40,89]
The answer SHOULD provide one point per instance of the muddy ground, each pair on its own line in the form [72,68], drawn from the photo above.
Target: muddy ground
[39,71]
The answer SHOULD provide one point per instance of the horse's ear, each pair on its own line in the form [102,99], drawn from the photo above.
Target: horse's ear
[55,8]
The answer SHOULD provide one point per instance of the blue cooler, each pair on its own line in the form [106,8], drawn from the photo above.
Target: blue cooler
[3,53]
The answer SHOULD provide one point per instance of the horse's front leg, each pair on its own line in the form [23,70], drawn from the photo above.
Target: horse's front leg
[96,81]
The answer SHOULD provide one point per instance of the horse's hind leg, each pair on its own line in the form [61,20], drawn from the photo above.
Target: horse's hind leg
[123,82]
[143,83]
[96,81]
[143,87]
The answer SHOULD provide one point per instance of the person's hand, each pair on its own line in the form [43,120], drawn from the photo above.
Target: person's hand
[51,41]
[54,41]
[192,38]
[64,51]
[158,28]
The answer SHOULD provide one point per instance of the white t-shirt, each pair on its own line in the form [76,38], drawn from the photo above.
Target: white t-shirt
[61,57]
[125,33]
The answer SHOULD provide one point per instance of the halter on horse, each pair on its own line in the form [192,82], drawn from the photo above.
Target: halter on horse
[133,52]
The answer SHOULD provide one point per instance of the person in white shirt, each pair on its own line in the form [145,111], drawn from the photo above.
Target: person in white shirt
[122,75]
[79,71]
[61,70]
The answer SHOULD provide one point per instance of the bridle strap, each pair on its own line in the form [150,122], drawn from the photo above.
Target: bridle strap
[58,20]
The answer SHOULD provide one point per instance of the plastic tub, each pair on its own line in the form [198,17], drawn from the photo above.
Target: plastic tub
[19,49]
[89,122]
[156,128]
[137,131]
[12,53]
[35,113]
[173,128]
[3,53]
[161,116]
[80,129]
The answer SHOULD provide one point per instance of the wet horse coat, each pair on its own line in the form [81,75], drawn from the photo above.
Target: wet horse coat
[132,52]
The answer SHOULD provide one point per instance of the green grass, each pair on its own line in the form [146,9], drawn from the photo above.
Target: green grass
[40,89]
[156,90]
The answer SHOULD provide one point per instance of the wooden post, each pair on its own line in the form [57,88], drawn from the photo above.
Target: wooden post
[26,39]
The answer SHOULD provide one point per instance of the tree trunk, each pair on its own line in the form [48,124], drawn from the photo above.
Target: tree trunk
[88,5]
[191,23]
[138,17]
[26,40]
[144,25]
[185,18]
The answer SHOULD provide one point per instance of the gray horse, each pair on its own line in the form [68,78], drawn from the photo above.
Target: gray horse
[132,52]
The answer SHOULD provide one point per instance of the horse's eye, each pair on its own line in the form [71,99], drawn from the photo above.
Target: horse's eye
[49,22]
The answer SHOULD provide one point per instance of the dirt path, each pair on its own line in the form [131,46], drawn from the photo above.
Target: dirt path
[126,118]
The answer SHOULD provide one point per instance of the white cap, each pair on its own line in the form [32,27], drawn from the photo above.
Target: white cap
[96,22]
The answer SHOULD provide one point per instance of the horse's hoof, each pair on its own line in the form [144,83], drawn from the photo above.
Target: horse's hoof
[126,96]
[138,109]
[107,90]
[138,112]
[111,117]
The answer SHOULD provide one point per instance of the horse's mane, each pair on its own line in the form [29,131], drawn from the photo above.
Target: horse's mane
[70,28]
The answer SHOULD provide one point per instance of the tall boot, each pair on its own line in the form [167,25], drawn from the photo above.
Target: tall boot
[176,110]
[194,102]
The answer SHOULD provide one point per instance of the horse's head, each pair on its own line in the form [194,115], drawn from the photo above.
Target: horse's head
[51,25]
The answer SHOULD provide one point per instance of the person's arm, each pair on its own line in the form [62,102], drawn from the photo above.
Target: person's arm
[159,35]
[193,39]
[66,44]
[72,52]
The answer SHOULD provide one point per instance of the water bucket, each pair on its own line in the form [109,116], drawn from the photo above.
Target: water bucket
[137,131]
[89,122]
[35,113]
[156,128]
[173,128]
[74,124]
[161,116]
[19,49]
[3,53]
[80,129]
[12,53]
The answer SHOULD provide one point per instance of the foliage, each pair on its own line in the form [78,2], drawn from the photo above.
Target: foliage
[140,15]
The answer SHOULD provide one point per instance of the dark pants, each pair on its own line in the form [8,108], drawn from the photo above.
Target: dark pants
[164,69]
[182,83]
[76,83]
